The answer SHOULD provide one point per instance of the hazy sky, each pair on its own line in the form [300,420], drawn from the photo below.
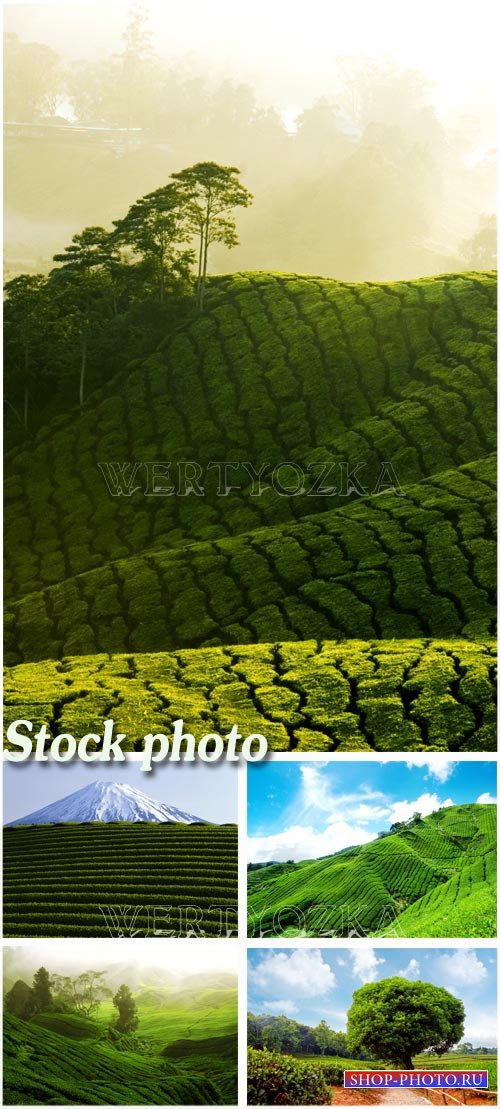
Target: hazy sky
[284,47]
[209,791]
[178,956]
[303,810]
[314,984]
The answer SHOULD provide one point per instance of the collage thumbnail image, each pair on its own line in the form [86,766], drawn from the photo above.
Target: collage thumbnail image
[316,1013]
[120,1023]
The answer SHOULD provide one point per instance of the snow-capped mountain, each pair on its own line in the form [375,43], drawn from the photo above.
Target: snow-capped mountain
[108,801]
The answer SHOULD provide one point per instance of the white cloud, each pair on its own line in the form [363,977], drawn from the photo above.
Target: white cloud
[303,973]
[285,1006]
[480,1026]
[438,766]
[366,814]
[463,968]
[315,789]
[365,964]
[298,842]
[411,971]
[425,804]
[486,799]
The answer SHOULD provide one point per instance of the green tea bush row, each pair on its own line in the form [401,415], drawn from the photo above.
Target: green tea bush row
[274,1079]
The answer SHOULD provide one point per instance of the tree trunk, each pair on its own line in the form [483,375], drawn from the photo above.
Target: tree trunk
[408,1063]
[26,378]
[83,367]
[204,271]
[200,266]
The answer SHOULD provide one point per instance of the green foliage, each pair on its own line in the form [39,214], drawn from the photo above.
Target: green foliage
[210,193]
[289,1037]
[154,226]
[119,879]
[126,1020]
[393,1019]
[41,989]
[421,880]
[20,1000]
[275,1079]
[328,696]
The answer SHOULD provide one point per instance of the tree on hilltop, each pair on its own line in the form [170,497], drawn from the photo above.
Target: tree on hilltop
[211,193]
[80,279]
[154,226]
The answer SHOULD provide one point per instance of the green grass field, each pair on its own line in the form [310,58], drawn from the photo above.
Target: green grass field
[60,1059]
[129,880]
[280,368]
[434,878]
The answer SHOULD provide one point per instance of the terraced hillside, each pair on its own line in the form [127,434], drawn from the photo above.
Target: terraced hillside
[61,1059]
[346,696]
[420,564]
[435,877]
[121,880]
[338,380]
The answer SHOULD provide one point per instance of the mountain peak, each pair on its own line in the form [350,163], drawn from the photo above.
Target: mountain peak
[108,802]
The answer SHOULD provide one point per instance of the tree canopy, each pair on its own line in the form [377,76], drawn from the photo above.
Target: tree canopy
[394,1019]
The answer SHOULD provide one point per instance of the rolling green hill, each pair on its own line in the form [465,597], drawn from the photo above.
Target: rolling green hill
[347,696]
[49,1059]
[280,369]
[120,880]
[433,877]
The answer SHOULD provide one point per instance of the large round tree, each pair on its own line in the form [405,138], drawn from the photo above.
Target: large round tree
[395,1019]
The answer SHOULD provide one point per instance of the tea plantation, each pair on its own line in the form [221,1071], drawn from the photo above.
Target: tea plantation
[337,380]
[281,1079]
[60,1059]
[434,877]
[347,696]
[122,880]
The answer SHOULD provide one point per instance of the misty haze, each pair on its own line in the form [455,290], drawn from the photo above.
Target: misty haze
[364,165]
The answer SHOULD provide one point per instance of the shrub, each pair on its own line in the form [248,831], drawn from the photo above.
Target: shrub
[275,1079]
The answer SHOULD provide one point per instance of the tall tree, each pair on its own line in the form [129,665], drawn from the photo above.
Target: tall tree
[324,1036]
[212,192]
[80,279]
[127,1019]
[25,332]
[395,1019]
[41,989]
[83,993]
[155,226]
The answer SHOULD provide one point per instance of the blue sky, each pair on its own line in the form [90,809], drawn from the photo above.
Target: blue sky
[306,809]
[209,791]
[311,984]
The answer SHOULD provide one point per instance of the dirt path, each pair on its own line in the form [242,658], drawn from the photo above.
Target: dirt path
[402,1097]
